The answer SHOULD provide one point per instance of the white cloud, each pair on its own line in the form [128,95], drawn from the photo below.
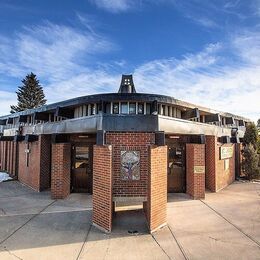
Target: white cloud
[6,98]
[210,78]
[50,50]
[63,59]
[61,56]
[114,6]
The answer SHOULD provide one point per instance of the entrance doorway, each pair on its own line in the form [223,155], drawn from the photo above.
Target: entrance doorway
[176,181]
[81,172]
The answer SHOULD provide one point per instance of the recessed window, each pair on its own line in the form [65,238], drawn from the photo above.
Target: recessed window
[124,108]
[132,108]
[108,108]
[92,109]
[140,108]
[163,110]
[115,108]
[148,108]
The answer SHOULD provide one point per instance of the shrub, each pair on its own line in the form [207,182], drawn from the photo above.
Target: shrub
[250,162]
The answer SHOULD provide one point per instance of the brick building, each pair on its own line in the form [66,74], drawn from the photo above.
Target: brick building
[122,147]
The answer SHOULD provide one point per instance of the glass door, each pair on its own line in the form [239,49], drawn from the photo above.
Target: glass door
[176,168]
[81,179]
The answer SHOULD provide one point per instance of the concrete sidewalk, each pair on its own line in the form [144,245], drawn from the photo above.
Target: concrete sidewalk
[226,225]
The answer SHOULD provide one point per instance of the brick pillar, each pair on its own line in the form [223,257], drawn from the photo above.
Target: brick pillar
[238,158]
[195,170]
[211,154]
[156,207]
[102,187]
[16,160]
[60,170]
[4,152]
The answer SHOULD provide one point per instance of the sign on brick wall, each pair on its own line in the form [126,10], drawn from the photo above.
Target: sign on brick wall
[130,165]
[199,169]
[226,152]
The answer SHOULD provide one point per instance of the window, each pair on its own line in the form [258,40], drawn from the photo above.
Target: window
[92,109]
[81,157]
[80,111]
[140,108]
[115,108]
[108,108]
[163,110]
[148,108]
[132,108]
[124,108]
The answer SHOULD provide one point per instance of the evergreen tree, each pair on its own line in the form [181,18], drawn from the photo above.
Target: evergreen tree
[251,135]
[250,162]
[29,95]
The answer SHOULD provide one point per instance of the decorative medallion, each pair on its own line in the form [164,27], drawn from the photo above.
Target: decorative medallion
[130,165]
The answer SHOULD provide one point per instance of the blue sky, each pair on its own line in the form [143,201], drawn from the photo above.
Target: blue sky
[204,52]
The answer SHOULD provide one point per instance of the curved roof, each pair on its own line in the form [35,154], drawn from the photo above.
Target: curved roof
[110,97]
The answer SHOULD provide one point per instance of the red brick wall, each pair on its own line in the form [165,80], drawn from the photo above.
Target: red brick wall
[224,177]
[45,162]
[60,170]
[37,173]
[130,141]
[2,155]
[195,156]
[211,153]
[157,187]
[29,175]
[216,176]
[239,157]
[102,187]
[8,157]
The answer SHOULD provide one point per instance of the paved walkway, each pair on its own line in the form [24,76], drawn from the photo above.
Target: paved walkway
[226,225]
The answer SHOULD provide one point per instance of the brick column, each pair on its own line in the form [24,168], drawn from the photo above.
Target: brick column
[102,187]
[60,170]
[156,207]
[211,154]
[3,155]
[195,170]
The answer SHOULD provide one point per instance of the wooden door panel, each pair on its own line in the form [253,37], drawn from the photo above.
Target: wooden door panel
[176,168]
[81,168]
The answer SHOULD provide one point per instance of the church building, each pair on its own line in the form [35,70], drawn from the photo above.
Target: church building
[123,147]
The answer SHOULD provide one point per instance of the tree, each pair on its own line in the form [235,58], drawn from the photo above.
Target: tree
[250,162]
[258,123]
[251,135]
[29,95]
